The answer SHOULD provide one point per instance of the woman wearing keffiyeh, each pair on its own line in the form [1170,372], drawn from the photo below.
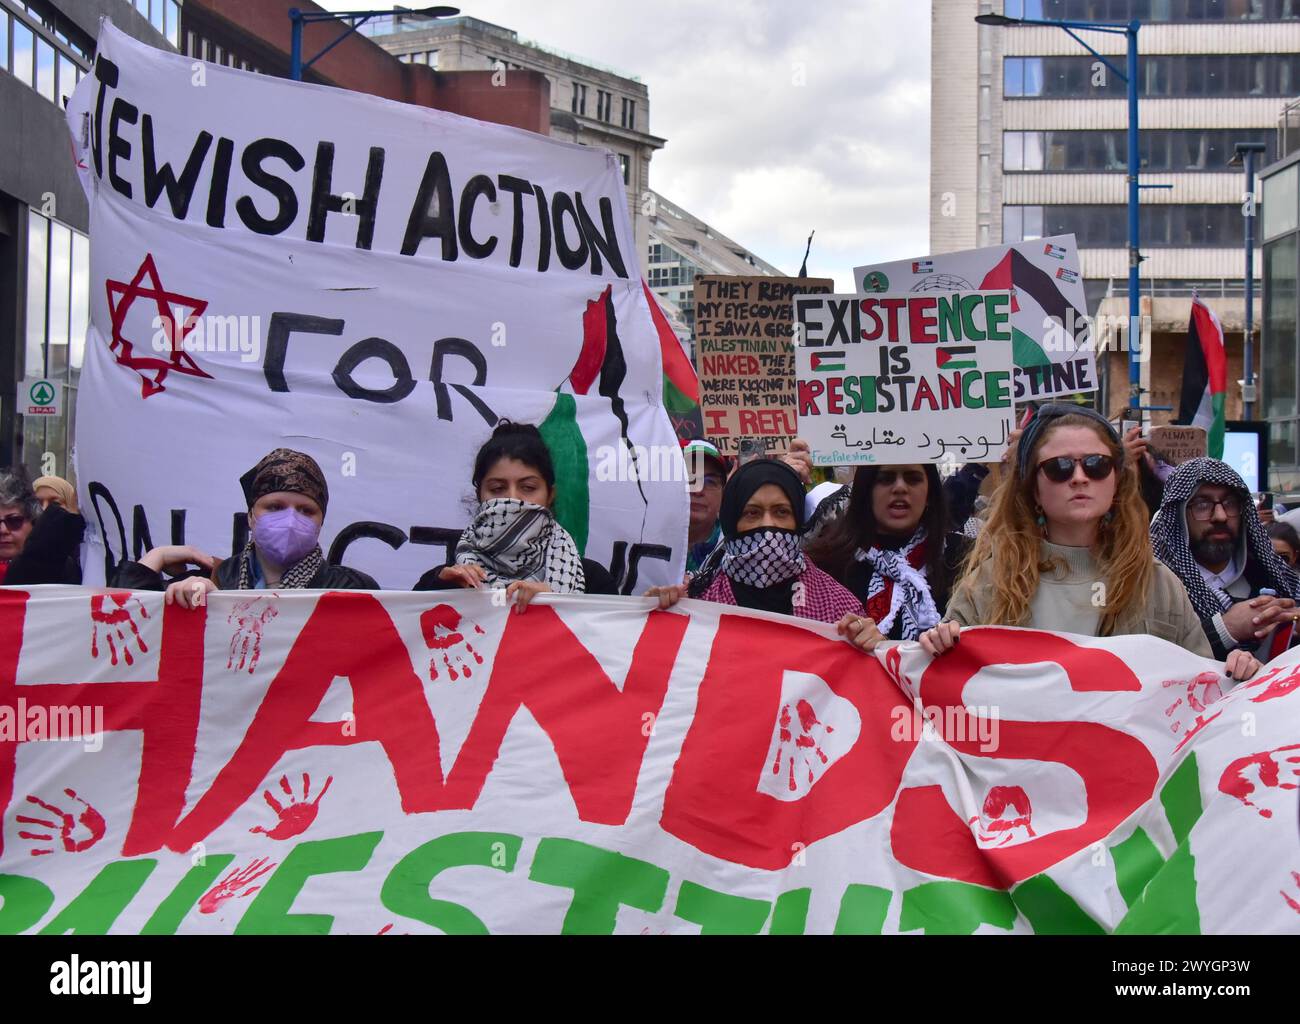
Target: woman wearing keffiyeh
[760,565]
[889,546]
[514,541]
[287,497]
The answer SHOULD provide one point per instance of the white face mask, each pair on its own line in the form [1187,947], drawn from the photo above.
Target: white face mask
[764,557]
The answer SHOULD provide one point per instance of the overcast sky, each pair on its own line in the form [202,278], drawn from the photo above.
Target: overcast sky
[751,151]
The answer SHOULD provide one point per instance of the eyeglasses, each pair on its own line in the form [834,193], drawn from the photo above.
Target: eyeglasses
[1095,467]
[1203,508]
[707,482]
[13,523]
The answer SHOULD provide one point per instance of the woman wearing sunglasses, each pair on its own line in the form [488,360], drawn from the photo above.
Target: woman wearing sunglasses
[1066,547]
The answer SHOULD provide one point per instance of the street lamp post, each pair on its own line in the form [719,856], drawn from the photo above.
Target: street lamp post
[299,18]
[1129,76]
[1244,155]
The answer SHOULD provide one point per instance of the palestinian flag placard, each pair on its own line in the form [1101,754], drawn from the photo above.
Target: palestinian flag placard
[825,362]
[1049,322]
[955,357]
[1205,377]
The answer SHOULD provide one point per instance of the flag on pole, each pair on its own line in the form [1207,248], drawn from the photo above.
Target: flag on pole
[1205,376]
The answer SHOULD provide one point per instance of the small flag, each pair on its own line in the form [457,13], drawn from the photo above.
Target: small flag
[922,266]
[1057,252]
[824,362]
[955,357]
[1205,377]
[1066,274]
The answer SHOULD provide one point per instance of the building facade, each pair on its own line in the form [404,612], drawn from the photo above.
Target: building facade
[590,104]
[1028,139]
[682,247]
[1280,327]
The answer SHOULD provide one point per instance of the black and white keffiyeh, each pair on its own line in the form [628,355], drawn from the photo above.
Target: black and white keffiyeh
[763,557]
[1171,545]
[899,583]
[297,577]
[517,540]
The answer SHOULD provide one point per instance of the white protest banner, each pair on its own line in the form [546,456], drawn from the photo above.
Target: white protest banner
[366,763]
[1051,338]
[375,284]
[897,379]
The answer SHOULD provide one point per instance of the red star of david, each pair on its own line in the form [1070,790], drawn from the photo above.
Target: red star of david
[120,298]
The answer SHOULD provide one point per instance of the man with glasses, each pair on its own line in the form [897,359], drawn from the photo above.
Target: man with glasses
[707,472]
[1209,533]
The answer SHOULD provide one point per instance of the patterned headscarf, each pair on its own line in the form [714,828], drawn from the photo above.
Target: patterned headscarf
[517,540]
[286,470]
[898,586]
[1172,546]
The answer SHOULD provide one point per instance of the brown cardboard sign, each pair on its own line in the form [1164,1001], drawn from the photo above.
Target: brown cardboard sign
[1178,444]
[744,356]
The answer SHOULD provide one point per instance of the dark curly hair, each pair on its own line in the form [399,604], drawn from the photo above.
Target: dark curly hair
[520,441]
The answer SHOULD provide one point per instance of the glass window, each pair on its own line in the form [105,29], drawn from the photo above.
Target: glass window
[156,17]
[60,298]
[67,78]
[1280,201]
[1013,76]
[1033,223]
[4,39]
[173,32]
[1012,224]
[1033,151]
[24,41]
[38,243]
[45,68]
[1279,328]
[1013,151]
[79,306]
[1033,76]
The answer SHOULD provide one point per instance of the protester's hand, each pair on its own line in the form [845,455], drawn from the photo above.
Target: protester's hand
[941,638]
[861,631]
[1240,665]
[174,558]
[463,575]
[1265,516]
[1135,445]
[524,591]
[799,458]
[1252,620]
[1009,456]
[668,596]
[189,593]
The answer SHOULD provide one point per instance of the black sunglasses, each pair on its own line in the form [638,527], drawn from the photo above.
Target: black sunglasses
[1060,469]
[14,522]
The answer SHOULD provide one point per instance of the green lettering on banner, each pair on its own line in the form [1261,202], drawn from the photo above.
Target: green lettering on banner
[268,914]
[790,915]
[23,902]
[997,389]
[721,913]
[1167,904]
[862,910]
[406,889]
[968,400]
[1136,862]
[955,908]
[997,318]
[1050,909]
[969,303]
[949,318]
[171,911]
[601,881]
[95,908]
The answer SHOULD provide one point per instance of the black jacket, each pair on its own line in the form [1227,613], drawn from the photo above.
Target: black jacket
[134,576]
[50,554]
[599,580]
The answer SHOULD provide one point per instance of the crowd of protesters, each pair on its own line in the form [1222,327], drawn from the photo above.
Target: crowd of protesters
[1079,531]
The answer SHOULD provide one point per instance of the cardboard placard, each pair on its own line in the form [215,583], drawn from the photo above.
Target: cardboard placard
[897,379]
[1178,444]
[744,356]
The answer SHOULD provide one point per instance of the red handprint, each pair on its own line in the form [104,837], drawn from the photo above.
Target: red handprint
[1281,681]
[297,815]
[89,819]
[805,747]
[248,619]
[446,619]
[1273,773]
[1000,828]
[1202,691]
[1291,902]
[110,611]
[232,883]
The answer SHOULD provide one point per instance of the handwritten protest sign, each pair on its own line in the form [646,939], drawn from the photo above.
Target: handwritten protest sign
[906,378]
[744,356]
[366,763]
[1052,342]
[375,284]
[1175,445]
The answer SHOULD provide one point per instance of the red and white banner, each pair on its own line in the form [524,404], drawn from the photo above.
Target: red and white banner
[394,762]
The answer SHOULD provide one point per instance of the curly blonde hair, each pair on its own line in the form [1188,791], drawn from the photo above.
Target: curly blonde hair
[1011,540]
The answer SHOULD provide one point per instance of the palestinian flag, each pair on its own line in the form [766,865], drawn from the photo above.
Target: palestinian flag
[681,386]
[824,362]
[955,357]
[1030,287]
[1205,377]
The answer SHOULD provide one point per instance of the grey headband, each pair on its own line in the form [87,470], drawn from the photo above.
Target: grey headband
[1044,418]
